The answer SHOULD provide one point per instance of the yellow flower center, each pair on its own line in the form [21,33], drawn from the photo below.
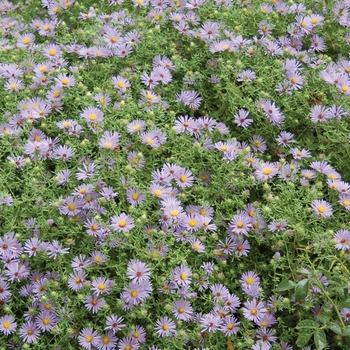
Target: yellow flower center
[183,178]
[101,286]
[136,127]
[114,39]
[240,224]
[46,321]
[267,171]
[196,246]
[93,116]
[65,81]
[314,20]
[149,140]
[165,327]
[192,222]
[249,280]
[58,94]
[321,208]
[121,84]
[6,324]
[293,80]
[105,339]
[88,339]
[344,88]
[346,202]
[122,223]
[254,312]
[158,193]
[174,213]
[134,293]
[71,206]
[108,144]
[52,52]
[97,259]
[149,96]
[26,41]
[183,276]
[181,310]
[13,86]
[135,196]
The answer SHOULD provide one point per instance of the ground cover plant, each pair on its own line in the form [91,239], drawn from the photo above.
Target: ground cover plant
[174,174]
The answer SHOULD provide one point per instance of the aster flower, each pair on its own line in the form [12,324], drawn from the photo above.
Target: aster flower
[253,310]
[320,114]
[342,240]
[101,285]
[46,320]
[136,126]
[138,271]
[345,314]
[219,291]
[114,323]
[109,140]
[242,247]
[181,275]
[7,324]
[88,338]
[189,98]
[240,224]
[29,332]
[137,160]
[249,279]
[122,223]
[300,154]
[265,171]
[128,343]
[210,323]
[92,115]
[98,257]
[14,85]
[241,118]
[322,208]
[165,327]
[134,294]
[229,326]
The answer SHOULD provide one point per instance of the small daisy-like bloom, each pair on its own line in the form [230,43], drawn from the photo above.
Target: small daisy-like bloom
[128,343]
[183,310]
[88,338]
[342,240]
[189,98]
[197,245]
[92,115]
[25,40]
[345,314]
[134,196]
[249,279]
[134,294]
[137,160]
[122,223]
[71,206]
[14,85]
[246,75]
[154,138]
[7,324]
[265,171]
[181,275]
[192,222]
[137,126]
[241,118]
[29,332]
[108,341]
[165,327]
[229,326]
[109,140]
[65,80]
[101,285]
[52,51]
[285,138]
[63,152]
[253,310]
[220,292]
[242,248]
[46,320]
[210,30]
[344,198]
[240,224]
[322,208]
[114,323]
[184,178]
[139,334]
[98,257]
[210,323]
[300,154]
[121,83]
[320,114]
[92,303]
[138,271]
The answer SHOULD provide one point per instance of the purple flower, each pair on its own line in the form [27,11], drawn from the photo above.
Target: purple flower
[46,320]
[114,323]
[189,98]
[108,341]
[320,114]
[138,271]
[88,338]
[92,303]
[29,332]
[265,171]
[7,323]
[154,138]
[253,310]
[63,152]
[220,292]
[165,327]
[240,224]
[92,115]
[14,85]
[183,310]
[209,30]
[299,154]
[249,279]
[229,326]
[322,208]
[210,323]
[241,118]
[345,314]
[109,140]
[128,343]
[342,240]
[134,294]
[285,138]
[122,223]
[181,275]
[101,285]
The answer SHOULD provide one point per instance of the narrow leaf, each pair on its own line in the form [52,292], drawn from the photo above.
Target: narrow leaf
[301,290]
[307,324]
[304,271]
[285,285]
[320,339]
[323,318]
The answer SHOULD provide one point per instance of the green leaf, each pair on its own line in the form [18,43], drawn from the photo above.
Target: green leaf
[323,318]
[346,331]
[285,285]
[303,339]
[320,339]
[304,271]
[301,290]
[335,328]
[307,324]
